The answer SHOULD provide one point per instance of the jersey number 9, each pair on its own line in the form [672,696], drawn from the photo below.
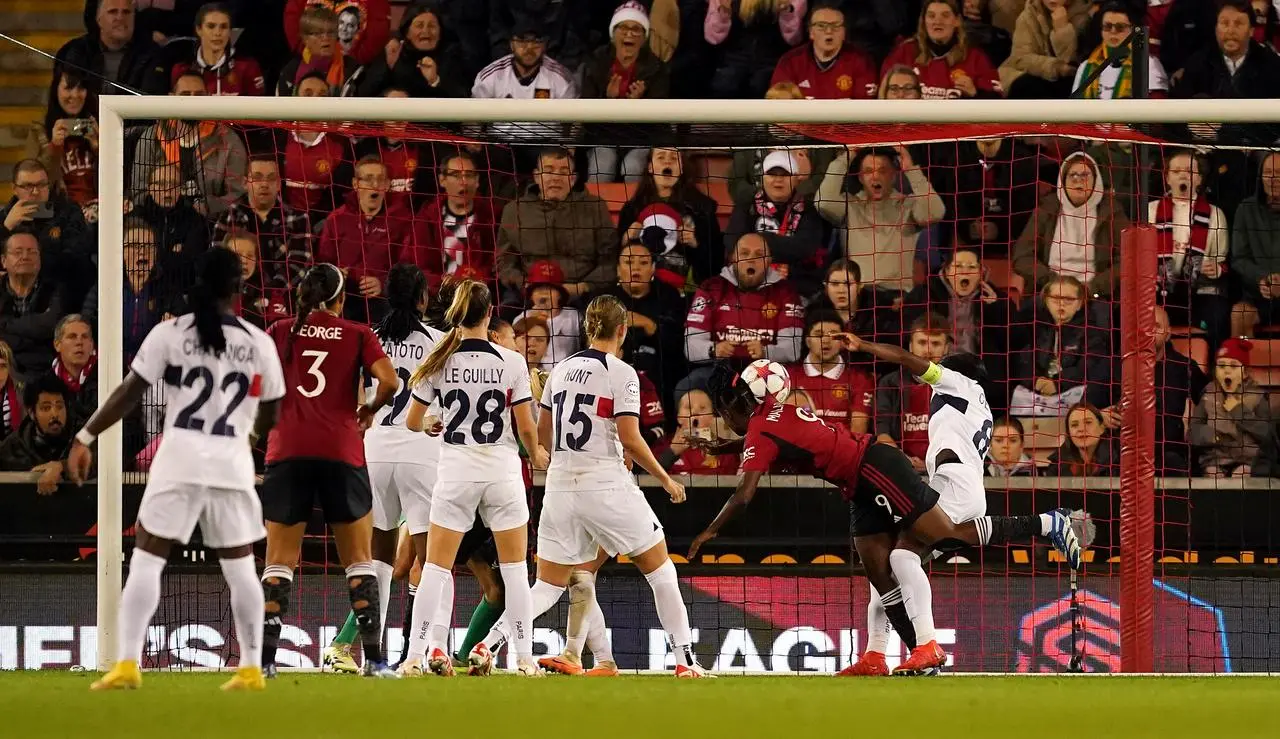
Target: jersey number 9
[490,407]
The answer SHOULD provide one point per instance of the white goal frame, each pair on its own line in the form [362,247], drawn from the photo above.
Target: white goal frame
[115,110]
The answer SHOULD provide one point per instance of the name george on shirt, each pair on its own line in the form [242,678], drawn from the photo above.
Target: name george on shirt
[327,333]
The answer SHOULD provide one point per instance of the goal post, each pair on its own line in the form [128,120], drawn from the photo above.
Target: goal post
[836,122]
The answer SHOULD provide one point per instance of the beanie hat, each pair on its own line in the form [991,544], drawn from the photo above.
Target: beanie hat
[629,11]
[1237,349]
[659,228]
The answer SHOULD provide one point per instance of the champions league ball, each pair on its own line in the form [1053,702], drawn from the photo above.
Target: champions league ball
[766,378]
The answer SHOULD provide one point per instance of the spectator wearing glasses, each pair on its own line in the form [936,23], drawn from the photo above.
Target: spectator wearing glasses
[975,313]
[66,142]
[213,56]
[30,305]
[283,234]
[750,36]
[828,68]
[56,222]
[1116,81]
[1066,357]
[527,73]
[1231,426]
[364,26]
[149,294]
[940,54]
[408,162]
[624,69]
[458,229]
[320,56]
[1046,40]
[563,25]
[259,302]
[899,82]
[417,60]
[109,53]
[210,154]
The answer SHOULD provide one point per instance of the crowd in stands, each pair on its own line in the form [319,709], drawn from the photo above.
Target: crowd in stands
[1006,247]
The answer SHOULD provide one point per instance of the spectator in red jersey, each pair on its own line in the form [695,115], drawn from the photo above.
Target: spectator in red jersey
[210,154]
[214,57]
[260,302]
[1045,46]
[899,82]
[696,255]
[1007,458]
[1231,427]
[459,228]
[574,229]
[794,230]
[320,55]
[746,312]
[750,36]
[828,68]
[316,163]
[66,143]
[1066,357]
[696,421]
[990,187]
[363,237]
[1110,82]
[843,292]
[654,343]
[417,60]
[407,161]
[10,398]
[940,55]
[626,68]
[902,401]
[283,235]
[363,26]
[839,392]
[1088,451]
[878,225]
[1075,231]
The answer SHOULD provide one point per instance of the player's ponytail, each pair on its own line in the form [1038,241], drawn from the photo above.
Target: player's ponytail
[320,286]
[605,315]
[219,280]
[406,289]
[470,307]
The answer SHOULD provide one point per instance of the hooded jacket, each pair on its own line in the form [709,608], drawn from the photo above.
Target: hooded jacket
[1033,250]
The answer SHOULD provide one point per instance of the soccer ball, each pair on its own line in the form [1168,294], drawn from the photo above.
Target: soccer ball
[765,378]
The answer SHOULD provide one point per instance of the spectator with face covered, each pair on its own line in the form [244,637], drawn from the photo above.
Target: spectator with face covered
[1046,42]
[1231,426]
[66,142]
[697,424]
[990,187]
[1006,457]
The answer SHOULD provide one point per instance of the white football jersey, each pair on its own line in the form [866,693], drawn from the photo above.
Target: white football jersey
[211,400]
[553,81]
[959,420]
[389,440]
[477,389]
[584,394]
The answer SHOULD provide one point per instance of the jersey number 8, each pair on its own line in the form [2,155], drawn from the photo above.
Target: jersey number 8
[490,407]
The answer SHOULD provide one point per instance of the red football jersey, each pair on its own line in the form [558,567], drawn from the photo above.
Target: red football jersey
[851,74]
[696,462]
[836,396]
[915,419]
[322,373]
[729,313]
[784,435]
[308,170]
[937,76]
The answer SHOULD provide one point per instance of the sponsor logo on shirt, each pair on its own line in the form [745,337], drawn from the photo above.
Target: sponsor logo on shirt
[699,304]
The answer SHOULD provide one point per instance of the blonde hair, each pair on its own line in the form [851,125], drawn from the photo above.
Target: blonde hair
[750,10]
[6,353]
[470,306]
[604,316]
[784,91]
[957,52]
[892,72]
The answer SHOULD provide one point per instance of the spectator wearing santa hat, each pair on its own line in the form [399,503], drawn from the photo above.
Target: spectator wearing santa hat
[625,68]
[795,231]
[1231,426]
[667,182]
[546,297]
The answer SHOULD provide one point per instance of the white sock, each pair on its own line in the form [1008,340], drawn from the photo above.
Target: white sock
[444,618]
[598,634]
[582,593]
[542,596]
[138,603]
[1046,524]
[917,596]
[382,571]
[426,605]
[878,626]
[247,605]
[671,611]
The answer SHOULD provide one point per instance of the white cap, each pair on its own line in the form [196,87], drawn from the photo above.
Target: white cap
[629,11]
[780,159]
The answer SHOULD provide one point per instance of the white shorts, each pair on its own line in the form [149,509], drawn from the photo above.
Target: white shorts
[962,500]
[227,517]
[575,525]
[501,505]
[402,490]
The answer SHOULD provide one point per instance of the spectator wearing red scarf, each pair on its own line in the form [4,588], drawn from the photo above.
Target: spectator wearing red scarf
[76,365]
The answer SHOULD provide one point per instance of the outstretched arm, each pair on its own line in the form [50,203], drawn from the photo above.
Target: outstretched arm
[888,352]
[121,401]
[740,499]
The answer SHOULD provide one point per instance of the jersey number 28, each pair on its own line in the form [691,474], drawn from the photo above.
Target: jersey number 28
[487,426]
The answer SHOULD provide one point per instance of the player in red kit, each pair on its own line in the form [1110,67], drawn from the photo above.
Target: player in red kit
[315,455]
[890,506]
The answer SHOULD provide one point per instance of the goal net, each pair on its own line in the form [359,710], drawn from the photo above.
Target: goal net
[1099,269]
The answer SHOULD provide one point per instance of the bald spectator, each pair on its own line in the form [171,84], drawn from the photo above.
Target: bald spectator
[573,229]
[30,305]
[110,52]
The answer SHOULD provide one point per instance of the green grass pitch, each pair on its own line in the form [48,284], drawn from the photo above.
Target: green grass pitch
[187,706]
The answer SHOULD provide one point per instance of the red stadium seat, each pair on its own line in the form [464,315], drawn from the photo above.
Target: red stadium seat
[1194,347]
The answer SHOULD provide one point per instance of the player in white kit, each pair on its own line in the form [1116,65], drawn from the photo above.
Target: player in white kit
[401,462]
[480,387]
[590,416]
[223,383]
